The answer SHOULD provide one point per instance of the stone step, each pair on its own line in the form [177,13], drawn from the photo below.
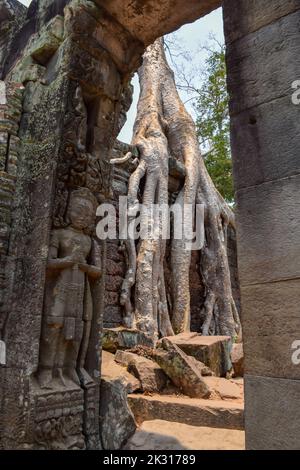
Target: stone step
[166,435]
[192,411]
[213,351]
[124,338]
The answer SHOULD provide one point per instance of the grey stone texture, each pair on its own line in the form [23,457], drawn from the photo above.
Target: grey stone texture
[262,41]
[123,338]
[268,71]
[12,18]
[213,351]
[259,157]
[182,371]
[271,323]
[150,375]
[271,253]
[195,412]
[132,15]
[272,417]
[117,423]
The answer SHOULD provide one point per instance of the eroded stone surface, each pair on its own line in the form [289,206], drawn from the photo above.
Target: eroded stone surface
[111,370]
[150,375]
[117,422]
[191,411]
[213,351]
[123,338]
[224,389]
[272,419]
[181,370]
[237,359]
[159,21]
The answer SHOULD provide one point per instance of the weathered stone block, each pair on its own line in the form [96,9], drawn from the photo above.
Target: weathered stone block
[271,323]
[117,423]
[263,65]
[123,338]
[132,15]
[110,370]
[264,146]
[213,351]
[95,68]
[113,283]
[44,48]
[237,359]
[113,252]
[268,231]
[271,415]
[113,315]
[107,33]
[115,269]
[151,376]
[112,298]
[192,411]
[244,17]
[181,370]
[224,389]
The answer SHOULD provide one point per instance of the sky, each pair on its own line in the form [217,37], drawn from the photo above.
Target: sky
[190,37]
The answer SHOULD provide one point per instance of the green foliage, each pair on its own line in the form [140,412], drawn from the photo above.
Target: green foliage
[212,122]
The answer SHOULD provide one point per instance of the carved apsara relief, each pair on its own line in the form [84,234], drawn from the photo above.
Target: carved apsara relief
[68,306]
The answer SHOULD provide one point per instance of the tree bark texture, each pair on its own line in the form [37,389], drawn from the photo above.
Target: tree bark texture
[164,129]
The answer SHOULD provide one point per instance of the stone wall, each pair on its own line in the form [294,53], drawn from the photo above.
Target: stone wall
[75,98]
[10,115]
[263,42]
[116,259]
[12,18]
[233,265]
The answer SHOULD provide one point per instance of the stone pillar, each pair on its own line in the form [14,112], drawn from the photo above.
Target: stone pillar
[263,42]
[75,71]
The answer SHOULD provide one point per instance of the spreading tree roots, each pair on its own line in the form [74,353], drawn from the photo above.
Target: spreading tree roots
[164,128]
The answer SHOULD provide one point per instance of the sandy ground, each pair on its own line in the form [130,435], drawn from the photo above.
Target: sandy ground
[166,435]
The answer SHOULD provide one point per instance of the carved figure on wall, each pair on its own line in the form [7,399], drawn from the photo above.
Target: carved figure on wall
[74,263]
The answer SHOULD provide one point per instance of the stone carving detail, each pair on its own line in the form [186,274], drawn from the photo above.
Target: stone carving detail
[78,167]
[57,420]
[74,262]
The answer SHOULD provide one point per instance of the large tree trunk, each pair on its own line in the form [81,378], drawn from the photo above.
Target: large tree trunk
[164,128]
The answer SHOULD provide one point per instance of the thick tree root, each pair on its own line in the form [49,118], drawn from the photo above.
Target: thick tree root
[164,128]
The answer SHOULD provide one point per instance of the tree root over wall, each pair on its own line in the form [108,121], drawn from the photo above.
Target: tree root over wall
[164,128]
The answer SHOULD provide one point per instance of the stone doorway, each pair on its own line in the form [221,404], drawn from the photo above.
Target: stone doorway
[262,44]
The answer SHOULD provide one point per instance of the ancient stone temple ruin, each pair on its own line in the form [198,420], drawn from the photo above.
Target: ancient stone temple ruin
[100,336]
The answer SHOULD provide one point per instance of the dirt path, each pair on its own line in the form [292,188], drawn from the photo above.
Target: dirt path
[166,435]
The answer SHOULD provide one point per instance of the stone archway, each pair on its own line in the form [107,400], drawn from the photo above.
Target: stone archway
[97,46]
